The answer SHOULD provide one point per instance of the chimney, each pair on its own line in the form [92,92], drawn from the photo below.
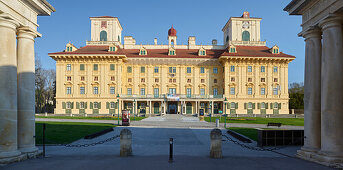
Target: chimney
[155,41]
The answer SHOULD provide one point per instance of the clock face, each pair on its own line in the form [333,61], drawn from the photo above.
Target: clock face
[246,25]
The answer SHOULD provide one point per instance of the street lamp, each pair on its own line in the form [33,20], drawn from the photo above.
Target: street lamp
[134,109]
[118,107]
[225,102]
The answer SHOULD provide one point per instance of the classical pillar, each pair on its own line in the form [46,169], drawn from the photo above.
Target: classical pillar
[150,107]
[212,108]
[332,90]
[8,88]
[313,61]
[196,107]
[26,90]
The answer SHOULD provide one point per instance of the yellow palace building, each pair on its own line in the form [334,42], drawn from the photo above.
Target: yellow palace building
[243,76]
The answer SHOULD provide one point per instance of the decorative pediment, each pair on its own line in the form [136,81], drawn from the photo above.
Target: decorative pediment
[82,84]
[232,84]
[68,83]
[172,85]
[95,83]
[188,85]
[129,85]
[249,84]
[142,85]
[202,85]
[155,85]
[112,84]
[263,85]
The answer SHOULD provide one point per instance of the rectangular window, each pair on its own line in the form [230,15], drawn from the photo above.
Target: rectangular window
[68,67]
[82,78]
[202,91]
[95,67]
[156,80]
[68,105]
[249,68]
[215,81]
[142,80]
[82,67]
[189,80]
[68,90]
[95,90]
[189,92]
[202,80]
[215,91]
[275,79]
[232,91]
[275,91]
[129,80]
[96,78]
[96,105]
[142,69]
[156,70]
[174,69]
[189,70]
[82,105]
[215,70]
[142,91]
[112,67]
[263,91]
[172,91]
[275,69]
[129,91]
[113,105]
[112,90]
[129,69]
[68,78]
[202,69]
[156,92]
[249,79]
[174,80]
[249,91]
[263,79]
[263,69]
[232,68]
[112,78]
[82,90]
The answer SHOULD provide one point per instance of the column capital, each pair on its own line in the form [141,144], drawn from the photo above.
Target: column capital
[8,21]
[313,32]
[26,32]
[331,21]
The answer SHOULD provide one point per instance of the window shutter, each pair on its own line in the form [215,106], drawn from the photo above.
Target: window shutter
[99,105]
[77,105]
[63,105]
[72,105]
[107,105]
[85,105]
[279,105]
[271,105]
[236,105]
[245,105]
[253,105]
[258,106]
[266,105]
[91,105]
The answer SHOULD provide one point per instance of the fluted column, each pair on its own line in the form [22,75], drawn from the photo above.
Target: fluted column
[8,88]
[312,104]
[26,89]
[332,89]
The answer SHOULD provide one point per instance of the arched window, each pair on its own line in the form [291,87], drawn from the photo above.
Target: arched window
[189,108]
[156,108]
[227,39]
[103,36]
[246,36]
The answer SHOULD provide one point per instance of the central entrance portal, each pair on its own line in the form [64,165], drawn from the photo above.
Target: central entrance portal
[172,107]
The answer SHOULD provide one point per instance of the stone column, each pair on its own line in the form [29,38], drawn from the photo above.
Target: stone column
[332,90]
[313,61]
[150,107]
[26,90]
[212,108]
[196,108]
[8,88]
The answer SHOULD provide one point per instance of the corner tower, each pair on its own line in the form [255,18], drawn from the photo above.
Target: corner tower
[105,29]
[242,30]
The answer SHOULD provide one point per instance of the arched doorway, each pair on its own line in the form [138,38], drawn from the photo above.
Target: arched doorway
[172,107]
[103,36]
[156,108]
[246,36]
[189,108]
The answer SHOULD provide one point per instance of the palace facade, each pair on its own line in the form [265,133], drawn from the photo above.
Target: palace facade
[242,76]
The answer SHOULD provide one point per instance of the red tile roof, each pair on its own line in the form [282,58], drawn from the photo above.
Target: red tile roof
[244,51]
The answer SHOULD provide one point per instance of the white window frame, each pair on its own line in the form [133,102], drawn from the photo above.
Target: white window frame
[68,90]
[249,69]
[232,69]
[129,91]
[95,90]
[112,90]
[232,91]
[142,91]
[215,70]
[68,67]
[275,91]
[82,90]
[263,91]
[215,91]
[249,91]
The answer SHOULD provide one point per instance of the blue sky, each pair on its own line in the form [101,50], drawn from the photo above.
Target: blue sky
[146,20]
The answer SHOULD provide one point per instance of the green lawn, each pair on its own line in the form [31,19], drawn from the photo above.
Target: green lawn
[259,120]
[248,132]
[93,118]
[66,132]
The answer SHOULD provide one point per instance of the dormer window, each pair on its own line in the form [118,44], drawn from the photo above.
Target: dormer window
[232,49]
[143,51]
[112,48]
[70,47]
[171,51]
[275,49]
[202,52]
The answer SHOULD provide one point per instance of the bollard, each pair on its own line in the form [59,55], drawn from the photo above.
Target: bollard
[217,123]
[216,144]
[171,142]
[125,143]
